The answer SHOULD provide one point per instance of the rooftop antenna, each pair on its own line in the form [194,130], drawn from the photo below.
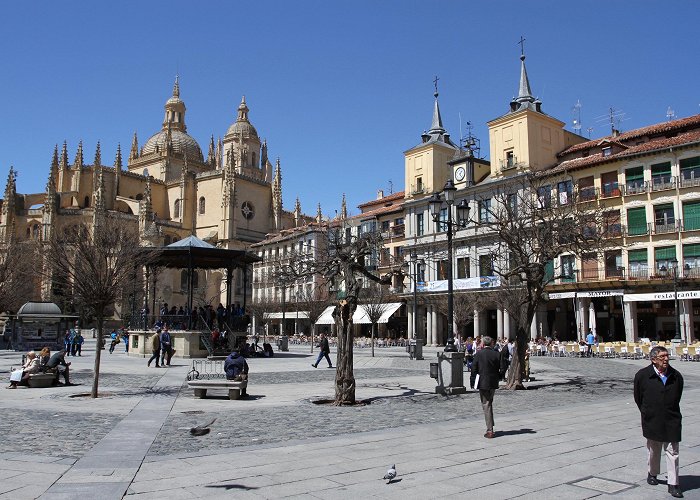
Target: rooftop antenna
[670,114]
[470,142]
[391,187]
[614,117]
[577,117]
[590,129]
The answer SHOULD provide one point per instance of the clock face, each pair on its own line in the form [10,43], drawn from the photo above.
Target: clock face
[248,210]
[459,174]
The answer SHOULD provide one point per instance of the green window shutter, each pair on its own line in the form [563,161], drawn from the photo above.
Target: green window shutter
[549,271]
[691,216]
[664,253]
[692,250]
[634,174]
[661,169]
[690,163]
[637,255]
[637,221]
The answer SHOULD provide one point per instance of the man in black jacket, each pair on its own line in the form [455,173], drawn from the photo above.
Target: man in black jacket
[486,369]
[324,351]
[56,361]
[657,391]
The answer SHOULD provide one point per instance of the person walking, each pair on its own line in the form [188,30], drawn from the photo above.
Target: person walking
[155,348]
[324,351]
[78,344]
[165,343]
[484,376]
[590,341]
[657,391]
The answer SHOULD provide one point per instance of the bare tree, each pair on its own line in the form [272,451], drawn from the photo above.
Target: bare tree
[528,228]
[375,302]
[313,300]
[464,305]
[259,309]
[18,283]
[343,263]
[98,263]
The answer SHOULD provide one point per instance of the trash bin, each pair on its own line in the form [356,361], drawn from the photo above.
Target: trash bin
[283,343]
[415,349]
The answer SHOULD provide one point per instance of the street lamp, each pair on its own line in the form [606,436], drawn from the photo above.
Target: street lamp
[413,257]
[436,205]
[674,263]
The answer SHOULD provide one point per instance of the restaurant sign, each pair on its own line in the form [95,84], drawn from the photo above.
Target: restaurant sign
[651,297]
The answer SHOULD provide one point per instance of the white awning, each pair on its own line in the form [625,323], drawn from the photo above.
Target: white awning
[653,297]
[288,315]
[360,316]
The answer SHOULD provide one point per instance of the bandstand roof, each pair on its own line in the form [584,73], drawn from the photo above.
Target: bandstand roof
[192,251]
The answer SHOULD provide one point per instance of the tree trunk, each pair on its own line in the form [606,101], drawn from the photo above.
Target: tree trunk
[517,364]
[98,353]
[313,334]
[344,376]
[374,325]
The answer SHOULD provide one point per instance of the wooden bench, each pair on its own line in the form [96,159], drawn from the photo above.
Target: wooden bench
[37,380]
[234,387]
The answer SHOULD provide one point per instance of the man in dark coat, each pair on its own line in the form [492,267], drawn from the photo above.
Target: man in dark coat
[236,368]
[324,351]
[56,361]
[657,391]
[486,369]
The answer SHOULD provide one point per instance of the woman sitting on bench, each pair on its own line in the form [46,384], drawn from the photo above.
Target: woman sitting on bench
[30,366]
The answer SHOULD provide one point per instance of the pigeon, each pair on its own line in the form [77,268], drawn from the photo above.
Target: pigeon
[391,473]
[201,430]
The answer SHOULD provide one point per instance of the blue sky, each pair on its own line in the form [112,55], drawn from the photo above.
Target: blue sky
[339,89]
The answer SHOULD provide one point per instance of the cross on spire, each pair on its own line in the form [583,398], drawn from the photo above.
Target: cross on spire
[435,82]
[522,45]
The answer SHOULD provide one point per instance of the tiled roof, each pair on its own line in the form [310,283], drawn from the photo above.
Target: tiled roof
[646,147]
[286,234]
[384,199]
[659,128]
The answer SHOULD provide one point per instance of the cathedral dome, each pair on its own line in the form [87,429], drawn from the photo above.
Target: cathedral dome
[182,142]
[242,125]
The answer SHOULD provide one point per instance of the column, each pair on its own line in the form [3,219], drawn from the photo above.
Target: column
[477,323]
[691,322]
[534,331]
[499,323]
[630,310]
[428,325]
[409,330]
[506,325]
[583,317]
[686,312]
[434,326]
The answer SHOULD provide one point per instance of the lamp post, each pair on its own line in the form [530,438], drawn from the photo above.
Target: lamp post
[677,338]
[436,205]
[416,262]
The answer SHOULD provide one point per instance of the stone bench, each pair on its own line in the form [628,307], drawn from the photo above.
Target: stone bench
[37,380]
[234,387]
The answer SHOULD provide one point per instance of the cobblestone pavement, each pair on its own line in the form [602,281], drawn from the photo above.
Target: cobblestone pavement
[565,381]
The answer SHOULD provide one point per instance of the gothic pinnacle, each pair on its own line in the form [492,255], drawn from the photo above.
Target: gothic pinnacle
[134,148]
[118,158]
[98,155]
[78,163]
[64,156]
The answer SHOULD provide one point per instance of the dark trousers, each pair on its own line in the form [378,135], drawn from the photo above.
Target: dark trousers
[165,355]
[156,355]
[487,405]
[77,348]
[62,370]
[321,355]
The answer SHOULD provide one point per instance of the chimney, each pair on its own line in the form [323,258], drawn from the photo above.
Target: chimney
[380,194]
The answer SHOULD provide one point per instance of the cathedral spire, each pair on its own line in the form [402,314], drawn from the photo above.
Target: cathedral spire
[297,212]
[343,208]
[175,110]
[176,87]
[118,159]
[98,155]
[211,158]
[78,163]
[64,157]
[134,153]
[437,132]
[242,111]
[319,214]
[54,161]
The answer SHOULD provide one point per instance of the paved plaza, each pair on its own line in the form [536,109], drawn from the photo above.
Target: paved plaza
[574,434]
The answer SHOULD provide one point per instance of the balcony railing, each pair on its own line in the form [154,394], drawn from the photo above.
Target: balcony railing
[667,226]
[638,230]
[509,163]
[635,187]
[587,193]
[690,181]
[663,183]
[610,190]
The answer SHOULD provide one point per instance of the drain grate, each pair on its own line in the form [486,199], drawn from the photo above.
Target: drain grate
[602,485]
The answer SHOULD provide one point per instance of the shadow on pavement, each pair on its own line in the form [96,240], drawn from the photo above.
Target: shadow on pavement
[689,483]
[231,486]
[514,432]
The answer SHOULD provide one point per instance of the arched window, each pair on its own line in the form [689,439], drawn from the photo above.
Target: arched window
[36,231]
[176,209]
[87,201]
[202,205]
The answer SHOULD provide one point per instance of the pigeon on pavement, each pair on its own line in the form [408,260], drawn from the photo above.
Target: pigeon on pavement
[201,430]
[390,474]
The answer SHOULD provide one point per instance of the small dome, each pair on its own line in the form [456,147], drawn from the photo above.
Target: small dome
[38,308]
[242,125]
[182,144]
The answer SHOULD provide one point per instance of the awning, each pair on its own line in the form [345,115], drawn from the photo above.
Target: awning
[288,315]
[652,297]
[360,316]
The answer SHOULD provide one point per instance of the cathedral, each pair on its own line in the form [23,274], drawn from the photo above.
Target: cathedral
[230,199]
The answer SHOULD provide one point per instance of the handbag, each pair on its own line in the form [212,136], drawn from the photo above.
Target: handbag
[16,376]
